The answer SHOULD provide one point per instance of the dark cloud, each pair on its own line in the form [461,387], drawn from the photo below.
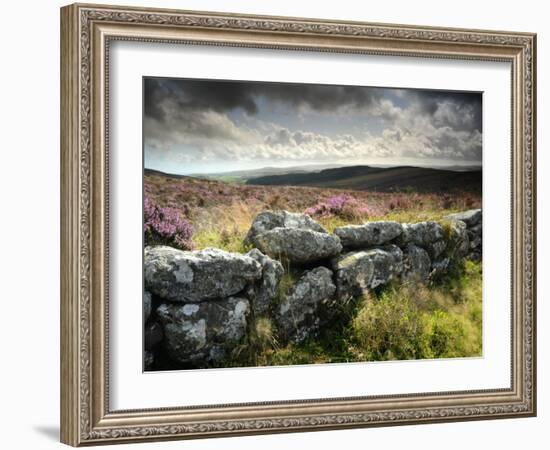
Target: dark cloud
[174,109]
[464,111]
[224,96]
[395,122]
[197,95]
[460,110]
[318,97]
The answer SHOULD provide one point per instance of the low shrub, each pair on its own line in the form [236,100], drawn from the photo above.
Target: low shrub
[166,226]
[344,206]
[265,334]
[421,322]
[396,322]
[390,327]
[446,334]
[231,240]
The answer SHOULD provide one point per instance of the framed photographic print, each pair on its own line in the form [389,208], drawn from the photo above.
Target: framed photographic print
[277,224]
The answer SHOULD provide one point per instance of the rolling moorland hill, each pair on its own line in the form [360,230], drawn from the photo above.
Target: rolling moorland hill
[392,179]
[158,173]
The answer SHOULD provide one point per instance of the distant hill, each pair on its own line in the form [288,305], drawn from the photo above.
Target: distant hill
[162,174]
[391,179]
[245,174]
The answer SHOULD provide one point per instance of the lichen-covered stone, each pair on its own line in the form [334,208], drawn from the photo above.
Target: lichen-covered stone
[459,241]
[358,271]
[388,264]
[148,359]
[368,234]
[298,245]
[435,249]
[421,233]
[475,236]
[416,263]
[268,220]
[440,266]
[476,246]
[353,274]
[147,301]
[197,333]
[475,241]
[209,298]
[153,335]
[265,289]
[473,220]
[476,229]
[471,217]
[298,315]
[195,276]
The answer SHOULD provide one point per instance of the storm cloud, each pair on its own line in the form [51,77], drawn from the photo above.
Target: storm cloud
[207,124]
[223,96]
[461,110]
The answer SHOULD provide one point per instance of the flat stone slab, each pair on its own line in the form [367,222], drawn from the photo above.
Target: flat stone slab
[470,218]
[203,332]
[421,233]
[358,271]
[368,234]
[298,245]
[268,220]
[195,276]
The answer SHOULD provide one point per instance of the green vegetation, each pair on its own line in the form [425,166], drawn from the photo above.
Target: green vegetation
[332,222]
[228,179]
[439,320]
[289,279]
[399,322]
[230,237]
[229,240]
[416,215]
[220,213]
[422,322]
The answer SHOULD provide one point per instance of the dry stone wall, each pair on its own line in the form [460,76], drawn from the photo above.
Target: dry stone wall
[199,306]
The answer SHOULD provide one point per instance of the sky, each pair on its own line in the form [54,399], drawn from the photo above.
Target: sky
[214,126]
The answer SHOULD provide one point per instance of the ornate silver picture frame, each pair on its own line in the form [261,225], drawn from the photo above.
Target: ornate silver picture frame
[87,34]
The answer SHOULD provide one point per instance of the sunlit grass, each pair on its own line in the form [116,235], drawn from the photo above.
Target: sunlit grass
[290,276]
[333,222]
[399,322]
[419,322]
[226,228]
[228,240]
[416,215]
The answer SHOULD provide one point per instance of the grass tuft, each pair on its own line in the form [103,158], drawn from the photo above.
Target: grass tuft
[419,322]
[398,322]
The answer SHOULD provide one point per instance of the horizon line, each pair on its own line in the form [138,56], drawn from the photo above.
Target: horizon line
[441,166]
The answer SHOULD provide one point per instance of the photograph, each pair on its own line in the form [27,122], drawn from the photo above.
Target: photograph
[292,220]
[299,223]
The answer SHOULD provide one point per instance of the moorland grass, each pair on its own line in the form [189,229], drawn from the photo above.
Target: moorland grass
[439,320]
[423,322]
[221,213]
[398,322]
